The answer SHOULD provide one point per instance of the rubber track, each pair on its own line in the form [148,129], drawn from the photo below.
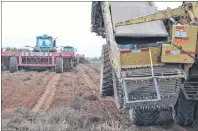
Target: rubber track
[145,117]
[107,81]
[118,92]
[185,110]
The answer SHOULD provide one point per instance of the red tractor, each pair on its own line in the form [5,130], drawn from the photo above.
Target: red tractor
[43,55]
[71,60]
[81,59]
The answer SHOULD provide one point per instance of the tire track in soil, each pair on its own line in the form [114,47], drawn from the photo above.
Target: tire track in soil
[47,98]
[91,107]
[65,90]
[42,83]
[105,105]
[14,94]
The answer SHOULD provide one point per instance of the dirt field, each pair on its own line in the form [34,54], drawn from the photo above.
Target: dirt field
[68,101]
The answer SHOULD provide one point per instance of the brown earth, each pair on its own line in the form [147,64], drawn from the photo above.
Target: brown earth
[44,92]
[47,97]
[23,88]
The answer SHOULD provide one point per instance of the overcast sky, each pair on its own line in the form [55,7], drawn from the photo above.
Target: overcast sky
[69,21]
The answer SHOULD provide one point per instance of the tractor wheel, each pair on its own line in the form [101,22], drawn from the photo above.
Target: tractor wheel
[118,94]
[75,62]
[13,64]
[185,110]
[72,63]
[59,65]
[106,81]
[145,117]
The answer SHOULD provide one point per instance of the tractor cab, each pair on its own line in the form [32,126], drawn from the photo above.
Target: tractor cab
[69,49]
[45,43]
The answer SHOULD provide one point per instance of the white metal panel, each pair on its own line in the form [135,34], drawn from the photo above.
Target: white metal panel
[32,53]
[26,53]
[123,11]
[46,53]
[41,54]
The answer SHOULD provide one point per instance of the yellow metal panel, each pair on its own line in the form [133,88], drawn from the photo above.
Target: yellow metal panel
[133,59]
[195,8]
[174,58]
[197,46]
[114,52]
[197,41]
[185,36]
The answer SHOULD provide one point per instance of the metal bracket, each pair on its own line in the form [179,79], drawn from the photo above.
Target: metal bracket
[185,93]
[131,114]
[127,101]
[173,114]
[126,96]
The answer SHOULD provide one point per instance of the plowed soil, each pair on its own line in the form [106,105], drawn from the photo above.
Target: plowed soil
[45,91]
[23,88]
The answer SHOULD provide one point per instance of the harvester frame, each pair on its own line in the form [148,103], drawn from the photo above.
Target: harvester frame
[166,64]
[48,59]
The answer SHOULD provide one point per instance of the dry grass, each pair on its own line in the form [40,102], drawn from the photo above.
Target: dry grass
[62,119]
[69,119]
[77,101]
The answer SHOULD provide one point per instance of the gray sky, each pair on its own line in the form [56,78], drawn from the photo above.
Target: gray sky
[69,21]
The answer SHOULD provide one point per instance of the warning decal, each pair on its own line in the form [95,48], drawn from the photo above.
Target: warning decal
[180,35]
[180,32]
[178,52]
[181,40]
